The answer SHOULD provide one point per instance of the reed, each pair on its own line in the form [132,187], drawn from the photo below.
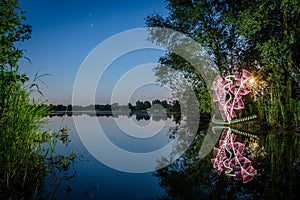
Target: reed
[21,136]
[275,111]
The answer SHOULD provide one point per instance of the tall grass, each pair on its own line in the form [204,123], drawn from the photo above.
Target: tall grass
[21,135]
[275,111]
[280,113]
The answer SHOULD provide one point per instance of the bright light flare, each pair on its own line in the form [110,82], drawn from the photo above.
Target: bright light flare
[251,81]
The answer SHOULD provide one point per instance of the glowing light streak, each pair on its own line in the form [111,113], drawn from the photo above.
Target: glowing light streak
[228,93]
[228,156]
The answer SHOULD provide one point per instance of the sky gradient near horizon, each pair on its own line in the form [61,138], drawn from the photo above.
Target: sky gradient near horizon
[65,32]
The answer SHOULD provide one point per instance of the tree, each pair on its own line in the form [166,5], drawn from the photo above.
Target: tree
[21,134]
[209,22]
[260,36]
[12,31]
[139,105]
[131,107]
[147,105]
[273,28]
[156,101]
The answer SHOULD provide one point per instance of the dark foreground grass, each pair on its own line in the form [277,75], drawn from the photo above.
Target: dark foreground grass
[21,139]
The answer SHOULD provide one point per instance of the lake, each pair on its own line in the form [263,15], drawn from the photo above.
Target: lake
[260,165]
[95,180]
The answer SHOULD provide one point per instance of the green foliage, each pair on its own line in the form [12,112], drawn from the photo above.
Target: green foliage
[273,27]
[209,22]
[261,36]
[12,31]
[204,99]
[20,123]
[27,152]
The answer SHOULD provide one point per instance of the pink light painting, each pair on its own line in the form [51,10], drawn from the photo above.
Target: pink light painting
[228,93]
[228,156]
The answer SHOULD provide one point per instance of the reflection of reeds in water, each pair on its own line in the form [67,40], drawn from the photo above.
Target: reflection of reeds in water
[276,156]
[282,164]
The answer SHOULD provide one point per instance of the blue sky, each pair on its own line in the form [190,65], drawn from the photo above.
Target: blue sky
[65,32]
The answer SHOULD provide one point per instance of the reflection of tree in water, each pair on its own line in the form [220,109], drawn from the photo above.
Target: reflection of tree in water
[276,156]
[142,116]
[159,117]
[156,117]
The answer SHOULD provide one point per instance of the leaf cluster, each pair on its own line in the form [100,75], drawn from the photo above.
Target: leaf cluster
[12,32]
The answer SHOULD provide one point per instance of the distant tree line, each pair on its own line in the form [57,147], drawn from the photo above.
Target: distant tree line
[155,106]
[143,110]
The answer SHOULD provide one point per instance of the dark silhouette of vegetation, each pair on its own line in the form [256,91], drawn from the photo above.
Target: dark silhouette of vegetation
[259,36]
[143,110]
[20,120]
[13,30]
[140,106]
[142,116]
[23,142]
[275,155]
[158,106]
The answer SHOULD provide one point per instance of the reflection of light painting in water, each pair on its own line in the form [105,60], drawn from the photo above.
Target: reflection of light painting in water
[228,156]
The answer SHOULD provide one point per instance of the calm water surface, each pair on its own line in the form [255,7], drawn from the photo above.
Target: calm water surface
[275,157]
[91,178]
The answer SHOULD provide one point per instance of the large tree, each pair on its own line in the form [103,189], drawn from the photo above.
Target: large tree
[273,28]
[260,35]
[212,23]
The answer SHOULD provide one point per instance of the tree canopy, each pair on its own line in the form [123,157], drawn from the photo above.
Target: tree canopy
[12,31]
[261,36]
